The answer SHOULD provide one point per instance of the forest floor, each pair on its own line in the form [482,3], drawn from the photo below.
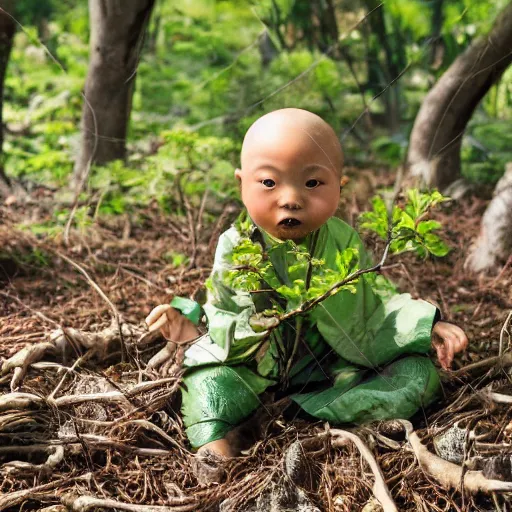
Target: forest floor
[49,284]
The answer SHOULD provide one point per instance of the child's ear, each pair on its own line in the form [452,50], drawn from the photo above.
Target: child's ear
[343,181]
[238,174]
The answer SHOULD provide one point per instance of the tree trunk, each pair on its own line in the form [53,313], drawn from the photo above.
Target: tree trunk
[494,245]
[434,151]
[391,70]
[436,24]
[7,30]
[117,29]
[267,48]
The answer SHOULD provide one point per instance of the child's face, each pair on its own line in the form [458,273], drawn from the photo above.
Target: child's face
[290,184]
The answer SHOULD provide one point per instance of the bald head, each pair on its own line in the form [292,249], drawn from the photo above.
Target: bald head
[292,129]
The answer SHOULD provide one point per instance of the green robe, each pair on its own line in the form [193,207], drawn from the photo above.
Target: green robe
[362,355]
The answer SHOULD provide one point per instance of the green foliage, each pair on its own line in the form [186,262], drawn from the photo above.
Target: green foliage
[200,84]
[408,229]
[308,280]
[31,12]
[486,151]
[390,149]
[175,259]
[54,226]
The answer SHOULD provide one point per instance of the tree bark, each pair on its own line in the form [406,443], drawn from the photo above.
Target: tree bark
[494,245]
[267,48]
[392,69]
[7,30]
[434,151]
[117,29]
[437,45]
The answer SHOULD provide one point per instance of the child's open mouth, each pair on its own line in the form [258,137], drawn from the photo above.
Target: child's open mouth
[290,223]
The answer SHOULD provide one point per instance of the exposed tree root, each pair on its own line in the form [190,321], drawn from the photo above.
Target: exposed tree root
[448,474]
[84,503]
[63,341]
[53,460]
[497,361]
[40,492]
[380,489]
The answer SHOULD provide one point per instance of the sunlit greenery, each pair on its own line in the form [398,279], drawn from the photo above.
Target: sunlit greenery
[201,82]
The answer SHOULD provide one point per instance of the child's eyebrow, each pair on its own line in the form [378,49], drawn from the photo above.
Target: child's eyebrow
[266,168]
[316,167]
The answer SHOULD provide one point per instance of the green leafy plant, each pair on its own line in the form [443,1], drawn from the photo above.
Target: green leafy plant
[409,229]
[302,281]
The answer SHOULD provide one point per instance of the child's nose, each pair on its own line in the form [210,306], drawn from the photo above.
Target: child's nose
[290,199]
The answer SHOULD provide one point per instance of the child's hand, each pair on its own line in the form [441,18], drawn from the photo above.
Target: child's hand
[448,339]
[172,324]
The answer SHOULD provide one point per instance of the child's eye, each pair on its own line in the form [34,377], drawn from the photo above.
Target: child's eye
[312,183]
[269,183]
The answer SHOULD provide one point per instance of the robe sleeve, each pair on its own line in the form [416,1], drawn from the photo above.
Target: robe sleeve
[369,328]
[230,338]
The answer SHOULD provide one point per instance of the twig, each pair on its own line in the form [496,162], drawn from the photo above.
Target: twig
[448,474]
[504,360]
[226,212]
[15,498]
[499,398]
[380,489]
[97,441]
[28,308]
[306,306]
[504,330]
[151,426]
[84,503]
[197,229]
[92,283]
[53,460]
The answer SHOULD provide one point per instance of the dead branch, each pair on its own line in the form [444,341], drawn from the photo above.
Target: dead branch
[450,475]
[498,398]
[20,361]
[94,285]
[19,401]
[84,503]
[380,489]
[53,460]
[96,441]
[63,340]
[491,362]
[504,330]
[151,426]
[15,498]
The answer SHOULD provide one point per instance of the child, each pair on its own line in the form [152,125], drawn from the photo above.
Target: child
[291,166]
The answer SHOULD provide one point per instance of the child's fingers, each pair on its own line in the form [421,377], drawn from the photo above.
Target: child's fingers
[463,340]
[449,344]
[460,338]
[156,313]
[159,323]
[441,355]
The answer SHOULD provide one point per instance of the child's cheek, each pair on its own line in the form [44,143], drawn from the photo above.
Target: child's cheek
[257,204]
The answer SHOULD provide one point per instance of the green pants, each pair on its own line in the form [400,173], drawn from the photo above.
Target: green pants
[217,398]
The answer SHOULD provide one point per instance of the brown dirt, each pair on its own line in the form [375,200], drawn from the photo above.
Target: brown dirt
[126,257]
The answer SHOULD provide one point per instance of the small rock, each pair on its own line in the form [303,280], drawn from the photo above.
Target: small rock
[449,445]
[299,468]
[280,497]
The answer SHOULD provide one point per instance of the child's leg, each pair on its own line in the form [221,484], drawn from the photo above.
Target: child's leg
[215,400]
[226,447]
[398,391]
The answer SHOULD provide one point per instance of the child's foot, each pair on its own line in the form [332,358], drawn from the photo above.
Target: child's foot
[209,464]
[209,467]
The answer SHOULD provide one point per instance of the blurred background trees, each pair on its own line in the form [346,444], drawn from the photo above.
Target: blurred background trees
[207,69]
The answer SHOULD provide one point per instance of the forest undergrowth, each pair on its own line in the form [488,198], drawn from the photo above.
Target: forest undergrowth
[129,446]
